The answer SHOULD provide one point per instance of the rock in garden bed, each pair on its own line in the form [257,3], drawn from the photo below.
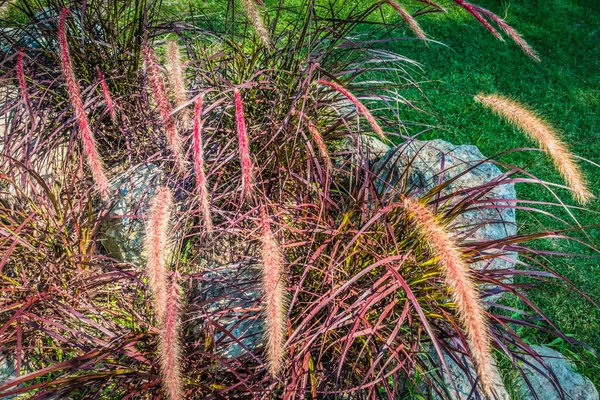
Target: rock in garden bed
[124,228]
[574,385]
[422,165]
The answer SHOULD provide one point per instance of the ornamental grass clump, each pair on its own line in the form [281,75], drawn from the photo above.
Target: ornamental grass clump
[297,275]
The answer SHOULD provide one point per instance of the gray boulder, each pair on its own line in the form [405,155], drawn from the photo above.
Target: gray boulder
[463,376]
[363,145]
[574,385]
[421,165]
[230,296]
[124,229]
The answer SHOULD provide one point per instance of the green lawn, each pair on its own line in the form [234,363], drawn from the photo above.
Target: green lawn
[564,88]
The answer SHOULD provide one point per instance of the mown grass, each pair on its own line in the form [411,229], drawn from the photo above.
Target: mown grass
[564,88]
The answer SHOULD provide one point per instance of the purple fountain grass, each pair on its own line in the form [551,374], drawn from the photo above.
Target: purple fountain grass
[156,248]
[169,344]
[470,8]
[547,138]
[414,25]
[159,93]
[177,79]
[201,184]
[510,31]
[257,22]
[107,98]
[87,138]
[273,281]
[22,83]
[465,294]
[246,162]
[361,108]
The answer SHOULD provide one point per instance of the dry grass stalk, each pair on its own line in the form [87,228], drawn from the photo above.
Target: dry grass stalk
[361,108]
[74,92]
[156,248]
[246,162]
[159,93]
[257,22]
[169,345]
[547,138]
[273,281]
[465,294]
[177,79]
[510,31]
[201,184]
[414,25]
[107,98]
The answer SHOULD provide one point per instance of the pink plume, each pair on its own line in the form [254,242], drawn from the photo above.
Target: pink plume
[89,144]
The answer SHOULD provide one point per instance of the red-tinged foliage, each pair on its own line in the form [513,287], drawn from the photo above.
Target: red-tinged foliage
[318,285]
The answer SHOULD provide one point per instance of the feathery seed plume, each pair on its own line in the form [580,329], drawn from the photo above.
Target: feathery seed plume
[169,345]
[74,92]
[177,78]
[159,93]
[21,78]
[361,108]
[471,10]
[273,281]
[109,103]
[465,293]
[510,31]
[414,25]
[257,22]
[545,135]
[156,248]
[246,162]
[201,184]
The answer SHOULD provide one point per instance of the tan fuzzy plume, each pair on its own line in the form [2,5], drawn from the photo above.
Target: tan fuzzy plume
[156,247]
[274,306]
[169,344]
[547,138]
[414,25]
[177,79]
[257,22]
[465,293]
